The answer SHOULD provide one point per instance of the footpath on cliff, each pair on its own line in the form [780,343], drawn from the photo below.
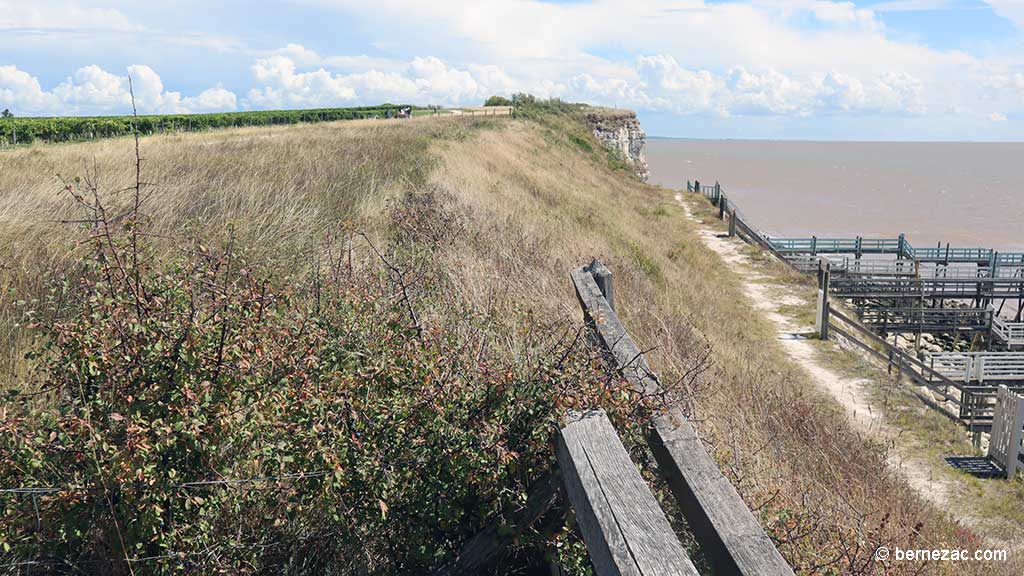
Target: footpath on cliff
[976,504]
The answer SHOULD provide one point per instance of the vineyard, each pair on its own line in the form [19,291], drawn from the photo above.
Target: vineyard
[15,131]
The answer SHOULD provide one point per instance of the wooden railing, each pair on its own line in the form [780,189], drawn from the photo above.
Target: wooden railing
[623,526]
[1004,445]
[1010,333]
[979,367]
[723,525]
[901,247]
[927,319]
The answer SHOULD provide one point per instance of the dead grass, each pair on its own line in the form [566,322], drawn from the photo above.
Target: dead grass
[537,204]
[541,207]
[279,190]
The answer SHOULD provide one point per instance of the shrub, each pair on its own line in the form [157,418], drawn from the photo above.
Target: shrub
[211,415]
[497,101]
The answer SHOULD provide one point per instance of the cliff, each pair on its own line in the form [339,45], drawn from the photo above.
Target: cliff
[619,130]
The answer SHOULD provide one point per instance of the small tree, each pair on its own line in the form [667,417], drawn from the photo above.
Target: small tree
[6,114]
[497,101]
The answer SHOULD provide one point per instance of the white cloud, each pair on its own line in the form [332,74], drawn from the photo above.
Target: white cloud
[997,117]
[779,58]
[282,83]
[911,5]
[1012,10]
[21,91]
[93,90]
[33,15]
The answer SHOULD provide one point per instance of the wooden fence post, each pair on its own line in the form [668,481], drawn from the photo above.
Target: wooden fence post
[732,222]
[821,319]
[603,276]
[723,203]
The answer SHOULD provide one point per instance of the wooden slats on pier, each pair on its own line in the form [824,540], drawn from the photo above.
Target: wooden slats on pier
[729,534]
[625,530]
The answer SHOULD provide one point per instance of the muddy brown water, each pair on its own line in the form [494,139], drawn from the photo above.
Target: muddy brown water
[969,194]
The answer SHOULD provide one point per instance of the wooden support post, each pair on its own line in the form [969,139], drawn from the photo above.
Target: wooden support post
[821,323]
[603,276]
[723,206]
[814,245]
[732,222]
[625,530]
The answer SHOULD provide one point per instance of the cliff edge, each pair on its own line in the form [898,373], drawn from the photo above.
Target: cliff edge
[619,130]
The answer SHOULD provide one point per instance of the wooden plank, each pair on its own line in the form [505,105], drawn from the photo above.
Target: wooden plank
[727,530]
[730,535]
[610,333]
[625,530]
[489,544]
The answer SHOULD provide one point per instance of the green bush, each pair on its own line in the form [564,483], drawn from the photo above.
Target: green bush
[497,101]
[63,129]
[211,416]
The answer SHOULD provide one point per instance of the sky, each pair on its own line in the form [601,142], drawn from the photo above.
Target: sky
[781,69]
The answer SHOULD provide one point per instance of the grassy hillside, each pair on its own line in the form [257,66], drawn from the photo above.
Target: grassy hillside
[377,317]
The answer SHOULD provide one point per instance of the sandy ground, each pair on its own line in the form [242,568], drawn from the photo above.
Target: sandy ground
[921,474]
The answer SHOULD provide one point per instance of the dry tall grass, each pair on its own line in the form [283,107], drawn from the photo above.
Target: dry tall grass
[540,199]
[279,189]
[543,206]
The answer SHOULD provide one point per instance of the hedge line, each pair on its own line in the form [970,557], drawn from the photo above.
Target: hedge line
[63,129]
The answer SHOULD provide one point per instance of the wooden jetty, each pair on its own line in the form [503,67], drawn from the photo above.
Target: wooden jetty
[906,290]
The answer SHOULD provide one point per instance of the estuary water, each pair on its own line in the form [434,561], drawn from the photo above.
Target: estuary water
[968,194]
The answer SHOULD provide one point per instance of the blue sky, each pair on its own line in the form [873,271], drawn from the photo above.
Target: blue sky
[809,69]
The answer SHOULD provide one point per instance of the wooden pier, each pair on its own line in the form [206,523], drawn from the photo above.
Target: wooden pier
[903,289]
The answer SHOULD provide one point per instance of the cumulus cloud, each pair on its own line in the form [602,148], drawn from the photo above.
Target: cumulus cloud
[93,90]
[283,83]
[779,58]
[661,83]
[22,15]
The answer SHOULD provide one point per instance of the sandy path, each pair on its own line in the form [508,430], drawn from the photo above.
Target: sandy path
[849,392]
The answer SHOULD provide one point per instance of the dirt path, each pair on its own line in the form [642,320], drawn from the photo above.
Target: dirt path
[849,392]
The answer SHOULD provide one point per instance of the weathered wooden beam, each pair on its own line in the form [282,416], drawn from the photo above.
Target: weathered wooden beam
[726,529]
[490,543]
[625,530]
[610,333]
[603,276]
[728,533]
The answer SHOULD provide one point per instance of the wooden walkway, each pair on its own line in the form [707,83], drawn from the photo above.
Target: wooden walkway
[907,288]
[905,292]
[955,321]
[901,248]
